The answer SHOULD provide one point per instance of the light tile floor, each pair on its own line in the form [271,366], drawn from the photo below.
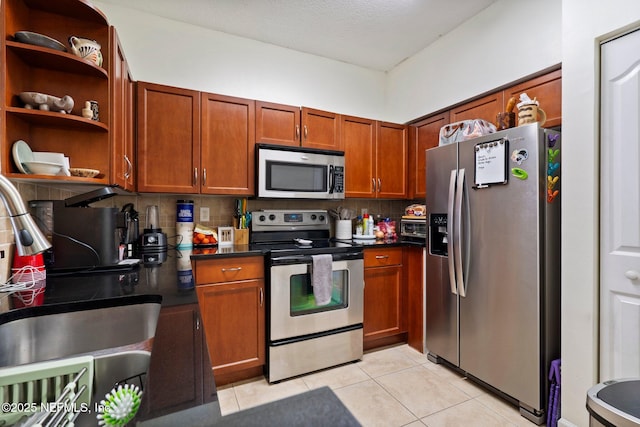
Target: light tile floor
[394,386]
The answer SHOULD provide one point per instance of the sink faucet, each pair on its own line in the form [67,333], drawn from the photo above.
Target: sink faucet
[29,238]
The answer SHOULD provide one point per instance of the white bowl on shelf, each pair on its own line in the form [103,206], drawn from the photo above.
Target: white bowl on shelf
[58,158]
[43,168]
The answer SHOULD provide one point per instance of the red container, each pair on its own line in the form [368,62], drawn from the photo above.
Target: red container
[29,268]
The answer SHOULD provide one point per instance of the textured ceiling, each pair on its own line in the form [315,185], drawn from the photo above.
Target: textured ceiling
[376,34]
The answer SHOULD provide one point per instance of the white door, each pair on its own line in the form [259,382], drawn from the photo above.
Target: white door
[620,208]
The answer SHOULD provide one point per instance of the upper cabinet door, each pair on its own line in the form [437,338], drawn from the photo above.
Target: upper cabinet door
[547,89]
[122,129]
[423,135]
[391,159]
[168,139]
[320,129]
[486,108]
[359,136]
[277,124]
[228,145]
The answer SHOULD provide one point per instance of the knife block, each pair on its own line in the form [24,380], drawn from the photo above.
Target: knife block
[241,236]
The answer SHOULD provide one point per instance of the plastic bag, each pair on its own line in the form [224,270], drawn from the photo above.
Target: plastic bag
[465,129]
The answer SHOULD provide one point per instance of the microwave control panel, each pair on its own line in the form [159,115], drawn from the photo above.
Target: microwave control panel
[338,179]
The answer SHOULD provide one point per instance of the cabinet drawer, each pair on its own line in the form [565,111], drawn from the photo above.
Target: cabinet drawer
[228,269]
[382,257]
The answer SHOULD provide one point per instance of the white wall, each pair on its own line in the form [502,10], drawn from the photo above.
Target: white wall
[480,55]
[585,23]
[484,53]
[170,52]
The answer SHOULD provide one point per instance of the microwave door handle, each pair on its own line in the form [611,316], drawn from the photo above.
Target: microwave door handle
[332,179]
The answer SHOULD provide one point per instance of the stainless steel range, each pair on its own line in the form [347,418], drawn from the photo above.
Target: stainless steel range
[309,331]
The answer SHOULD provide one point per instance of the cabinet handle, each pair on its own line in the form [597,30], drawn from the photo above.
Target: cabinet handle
[224,270]
[195,176]
[306,132]
[204,177]
[129,167]
[382,256]
[261,297]
[197,322]
[379,185]
[297,132]
[373,185]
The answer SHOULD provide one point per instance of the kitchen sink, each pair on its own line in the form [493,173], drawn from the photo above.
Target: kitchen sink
[116,333]
[48,332]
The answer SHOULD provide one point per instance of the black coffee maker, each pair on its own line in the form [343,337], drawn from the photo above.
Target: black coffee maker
[82,236]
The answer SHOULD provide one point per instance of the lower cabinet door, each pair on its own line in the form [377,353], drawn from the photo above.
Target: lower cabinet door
[176,370]
[233,316]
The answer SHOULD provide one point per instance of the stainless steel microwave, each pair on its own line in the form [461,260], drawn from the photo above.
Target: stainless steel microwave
[296,172]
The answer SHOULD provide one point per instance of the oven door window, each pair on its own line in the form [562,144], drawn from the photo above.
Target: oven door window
[302,301]
[284,176]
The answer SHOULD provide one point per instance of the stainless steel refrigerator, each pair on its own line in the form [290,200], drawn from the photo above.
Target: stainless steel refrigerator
[493,261]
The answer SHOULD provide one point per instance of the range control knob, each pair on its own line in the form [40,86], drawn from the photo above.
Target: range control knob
[261,218]
[322,218]
[272,217]
[313,217]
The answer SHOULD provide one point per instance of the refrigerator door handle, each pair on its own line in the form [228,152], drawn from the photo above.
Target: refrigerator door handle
[457,233]
[450,243]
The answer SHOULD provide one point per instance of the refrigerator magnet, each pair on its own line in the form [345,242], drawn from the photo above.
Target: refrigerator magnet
[519,155]
[519,173]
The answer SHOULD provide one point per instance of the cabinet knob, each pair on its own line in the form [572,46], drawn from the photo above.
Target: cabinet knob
[632,275]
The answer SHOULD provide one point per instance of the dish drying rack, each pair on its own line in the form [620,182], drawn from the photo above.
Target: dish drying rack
[51,393]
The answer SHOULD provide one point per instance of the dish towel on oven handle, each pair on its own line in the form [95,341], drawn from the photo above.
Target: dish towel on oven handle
[322,278]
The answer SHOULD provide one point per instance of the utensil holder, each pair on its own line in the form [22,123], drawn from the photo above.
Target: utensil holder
[343,229]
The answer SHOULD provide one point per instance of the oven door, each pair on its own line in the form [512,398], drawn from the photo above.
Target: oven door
[293,312]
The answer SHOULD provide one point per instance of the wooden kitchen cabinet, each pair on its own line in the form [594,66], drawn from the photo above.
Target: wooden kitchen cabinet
[486,108]
[423,135]
[168,122]
[375,158]
[179,362]
[359,136]
[547,89]
[123,129]
[30,68]
[214,135]
[392,147]
[413,263]
[297,126]
[227,145]
[385,297]
[231,299]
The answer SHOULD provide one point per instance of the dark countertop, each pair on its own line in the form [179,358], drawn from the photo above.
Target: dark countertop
[171,279]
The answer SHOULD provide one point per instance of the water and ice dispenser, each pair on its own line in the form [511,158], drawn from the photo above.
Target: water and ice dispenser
[438,236]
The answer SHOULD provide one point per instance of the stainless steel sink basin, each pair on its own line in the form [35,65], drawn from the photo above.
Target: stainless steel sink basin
[118,333]
[50,332]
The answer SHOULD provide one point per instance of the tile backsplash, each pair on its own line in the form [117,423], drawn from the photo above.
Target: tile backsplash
[221,208]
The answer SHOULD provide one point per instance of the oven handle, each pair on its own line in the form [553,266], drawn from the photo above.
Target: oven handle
[306,259]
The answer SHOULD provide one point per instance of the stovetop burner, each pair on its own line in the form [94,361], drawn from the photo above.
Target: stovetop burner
[295,231]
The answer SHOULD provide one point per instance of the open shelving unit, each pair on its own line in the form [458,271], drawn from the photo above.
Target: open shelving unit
[31,68]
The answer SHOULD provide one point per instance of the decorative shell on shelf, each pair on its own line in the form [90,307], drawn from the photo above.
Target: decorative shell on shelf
[46,102]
